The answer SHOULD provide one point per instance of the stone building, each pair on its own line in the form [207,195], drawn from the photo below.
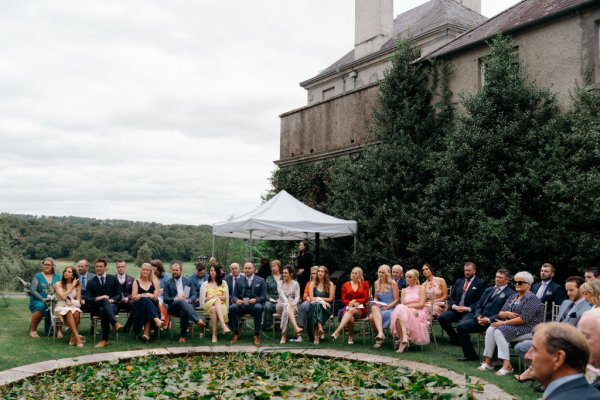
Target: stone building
[558,40]
[340,98]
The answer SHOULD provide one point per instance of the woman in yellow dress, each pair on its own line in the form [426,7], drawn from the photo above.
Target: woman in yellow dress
[214,300]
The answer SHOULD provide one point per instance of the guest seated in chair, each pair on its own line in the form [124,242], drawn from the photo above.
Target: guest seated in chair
[38,295]
[386,298]
[321,296]
[144,302]
[304,306]
[485,312]
[355,295]
[520,313]
[126,282]
[591,291]
[547,290]
[68,295]
[214,300]
[179,296]
[287,303]
[436,291]
[103,293]
[272,282]
[466,292]
[559,356]
[410,320]
[249,298]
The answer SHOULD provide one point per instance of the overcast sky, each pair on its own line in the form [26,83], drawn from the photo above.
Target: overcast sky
[156,110]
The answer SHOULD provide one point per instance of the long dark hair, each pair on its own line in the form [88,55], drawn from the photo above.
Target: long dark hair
[63,280]
[326,281]
[160,268]
[218,274]
[305,243]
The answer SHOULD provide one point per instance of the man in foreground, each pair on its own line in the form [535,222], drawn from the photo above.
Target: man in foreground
[248,298]
[558,357]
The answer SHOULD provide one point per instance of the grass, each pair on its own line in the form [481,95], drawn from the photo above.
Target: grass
[16,348]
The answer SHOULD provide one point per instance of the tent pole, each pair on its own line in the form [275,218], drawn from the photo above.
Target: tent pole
[355,244]
[212,254]
[250,240]
[317,248]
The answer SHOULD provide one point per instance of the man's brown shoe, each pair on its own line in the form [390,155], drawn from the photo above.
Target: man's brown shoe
[235,338]
[118,327]
[200,324]
[182,340]
[257,340]
[102,343]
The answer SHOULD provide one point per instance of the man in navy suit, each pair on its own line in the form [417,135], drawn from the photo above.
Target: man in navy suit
[547,290]
[398,276]
[126,282]
[85,277]
[248,298]
[103,294]
[179,294]
[465,293]
[558,357]
[484,312]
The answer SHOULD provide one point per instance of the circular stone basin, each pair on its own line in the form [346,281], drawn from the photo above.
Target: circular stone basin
[235,376]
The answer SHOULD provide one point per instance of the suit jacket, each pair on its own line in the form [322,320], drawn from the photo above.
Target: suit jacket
[111,288]
[574,314]
[489,306]
[554,294]
[259,289]
[473,294]
[127,286]
[578,389]
[170,290]
[229,280]
[88,277]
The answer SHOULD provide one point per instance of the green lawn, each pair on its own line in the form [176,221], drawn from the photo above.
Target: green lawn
[16,348]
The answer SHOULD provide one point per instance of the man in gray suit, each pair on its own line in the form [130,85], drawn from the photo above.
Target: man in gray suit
[249,297]
[84,277]
[559,356]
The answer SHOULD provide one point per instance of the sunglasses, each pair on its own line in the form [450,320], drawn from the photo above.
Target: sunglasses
[521,283]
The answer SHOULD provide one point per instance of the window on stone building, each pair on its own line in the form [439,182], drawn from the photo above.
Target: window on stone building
[482,65]
[328,93]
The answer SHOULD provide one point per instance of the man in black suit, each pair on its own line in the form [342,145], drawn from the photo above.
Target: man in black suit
[547,290]
[589,325]
[249,297]
[103,293]
[233,278]
[558,357]
[466,292]
[398,276]
[180,294]
[485,312]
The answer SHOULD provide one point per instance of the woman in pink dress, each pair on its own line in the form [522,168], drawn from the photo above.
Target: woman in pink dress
[436,290]
[410,320]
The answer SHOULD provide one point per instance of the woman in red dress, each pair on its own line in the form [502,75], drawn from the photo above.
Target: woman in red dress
[355,295]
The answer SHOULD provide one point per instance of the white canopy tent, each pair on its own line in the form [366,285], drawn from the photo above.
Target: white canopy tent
[284,218]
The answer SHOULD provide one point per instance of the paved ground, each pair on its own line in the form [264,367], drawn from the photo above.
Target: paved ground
[491,392]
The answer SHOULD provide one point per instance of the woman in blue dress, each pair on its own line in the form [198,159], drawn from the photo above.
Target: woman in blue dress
[386,292]
[38,295]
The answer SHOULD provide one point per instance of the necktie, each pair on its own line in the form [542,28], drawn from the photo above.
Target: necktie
[496,291]
[541,290]
[567,311]
[466,285]
[83,282]
[101,281]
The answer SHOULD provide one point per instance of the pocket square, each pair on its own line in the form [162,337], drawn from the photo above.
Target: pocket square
[502,295]
[257,285]
[474,288]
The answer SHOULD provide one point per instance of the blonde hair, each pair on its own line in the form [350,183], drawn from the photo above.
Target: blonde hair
[388,278]
[412,273]
[592,287]
[152,278]
[360,273]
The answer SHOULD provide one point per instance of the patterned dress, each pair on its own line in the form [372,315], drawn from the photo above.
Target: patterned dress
[529,308]
[38,292]
[433,290]
[287,293]
[69,304]
[417,326]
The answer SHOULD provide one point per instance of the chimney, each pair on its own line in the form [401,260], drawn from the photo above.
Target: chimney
[474,5]
[373,25]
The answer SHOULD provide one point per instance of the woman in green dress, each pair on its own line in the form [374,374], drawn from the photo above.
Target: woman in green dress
[38,295]
[273,282]
[320,296]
